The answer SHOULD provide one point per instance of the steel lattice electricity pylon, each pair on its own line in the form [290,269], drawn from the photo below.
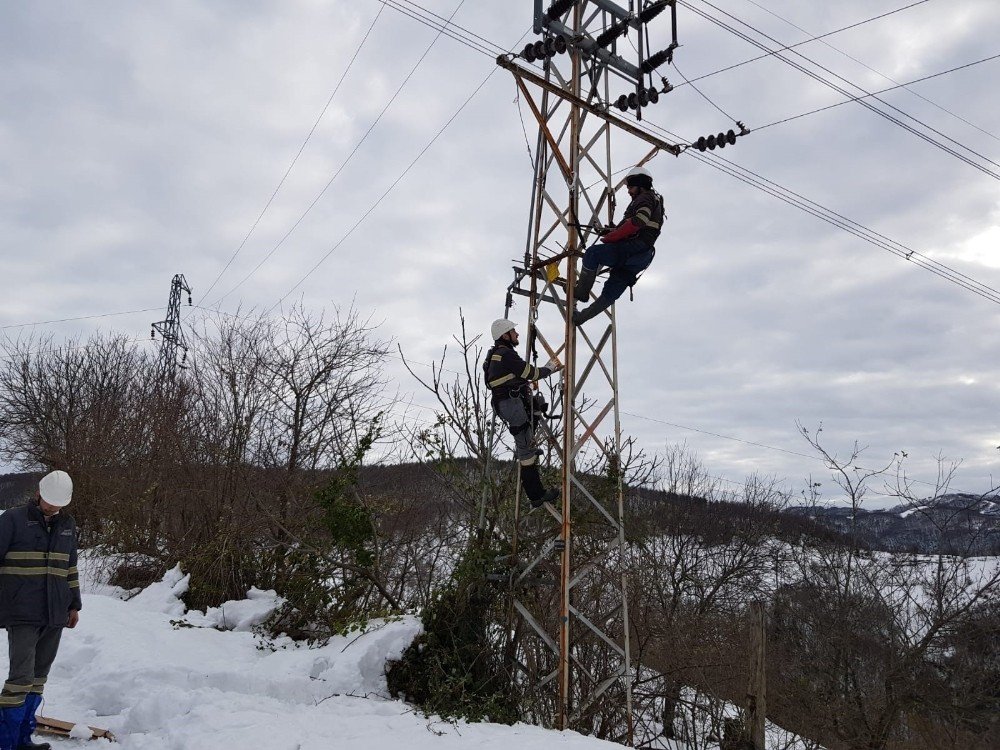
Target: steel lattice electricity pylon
[172,334]
[584,651]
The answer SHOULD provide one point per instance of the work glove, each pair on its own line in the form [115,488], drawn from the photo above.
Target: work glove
[554,365]
[623,232]
[599,229]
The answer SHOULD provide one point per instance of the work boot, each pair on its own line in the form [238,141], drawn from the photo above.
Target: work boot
[549,496]
[28,723]
[531,481]
[584,283]
[10,726]
[582,316]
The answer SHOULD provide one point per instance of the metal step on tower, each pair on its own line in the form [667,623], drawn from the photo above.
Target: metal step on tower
[570,634]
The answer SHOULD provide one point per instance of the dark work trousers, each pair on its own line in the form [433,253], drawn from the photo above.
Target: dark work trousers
[32,651]
[627,259]
[513,413]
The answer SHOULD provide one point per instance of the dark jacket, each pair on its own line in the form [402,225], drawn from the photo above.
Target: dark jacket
[39,583]
[507,374]
[646,212]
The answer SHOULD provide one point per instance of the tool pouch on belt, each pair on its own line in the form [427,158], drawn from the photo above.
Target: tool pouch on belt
[537,408]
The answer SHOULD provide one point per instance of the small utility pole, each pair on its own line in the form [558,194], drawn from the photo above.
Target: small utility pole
[757,682]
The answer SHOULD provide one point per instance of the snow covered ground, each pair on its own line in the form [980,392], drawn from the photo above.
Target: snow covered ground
[158,677]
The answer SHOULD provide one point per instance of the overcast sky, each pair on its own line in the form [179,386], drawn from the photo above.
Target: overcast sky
[142,140]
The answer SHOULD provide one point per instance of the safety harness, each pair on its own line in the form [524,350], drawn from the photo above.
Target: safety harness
[620,265]
[534,404]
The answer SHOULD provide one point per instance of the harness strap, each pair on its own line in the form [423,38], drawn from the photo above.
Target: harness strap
[636,276]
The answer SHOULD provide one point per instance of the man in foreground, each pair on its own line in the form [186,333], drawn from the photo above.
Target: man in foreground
[39,596]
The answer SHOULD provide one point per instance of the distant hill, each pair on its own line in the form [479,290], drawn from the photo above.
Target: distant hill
[648,511]
[15,489]
[957,523]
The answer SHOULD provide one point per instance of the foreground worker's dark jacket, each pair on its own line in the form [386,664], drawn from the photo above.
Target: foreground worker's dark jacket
[39,584]
[507,374]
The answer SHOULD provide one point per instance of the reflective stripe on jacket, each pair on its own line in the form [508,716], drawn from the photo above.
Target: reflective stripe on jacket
[646,211]
[39,581]
[506,372]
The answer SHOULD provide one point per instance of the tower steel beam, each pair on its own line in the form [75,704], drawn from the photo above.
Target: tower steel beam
[577,633]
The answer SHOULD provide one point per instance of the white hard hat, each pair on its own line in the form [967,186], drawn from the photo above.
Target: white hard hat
[56,488]
[501,326]
[639,176]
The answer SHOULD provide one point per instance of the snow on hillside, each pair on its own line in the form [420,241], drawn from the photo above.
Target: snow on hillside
[162,679]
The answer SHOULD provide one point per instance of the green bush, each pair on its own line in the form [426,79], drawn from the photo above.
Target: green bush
[455,668]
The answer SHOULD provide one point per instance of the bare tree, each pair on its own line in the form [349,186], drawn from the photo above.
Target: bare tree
[864,642]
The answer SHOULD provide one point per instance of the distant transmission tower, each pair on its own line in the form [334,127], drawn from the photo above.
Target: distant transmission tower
[172,334]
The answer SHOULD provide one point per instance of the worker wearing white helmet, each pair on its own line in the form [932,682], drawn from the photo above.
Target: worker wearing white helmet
[509,379]
[39,596]
[626,249]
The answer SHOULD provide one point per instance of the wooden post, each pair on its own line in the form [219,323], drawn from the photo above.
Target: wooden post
[757,682]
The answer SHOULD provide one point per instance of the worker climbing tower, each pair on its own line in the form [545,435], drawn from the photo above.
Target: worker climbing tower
[590,64]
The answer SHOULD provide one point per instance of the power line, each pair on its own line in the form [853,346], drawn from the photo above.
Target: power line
[882,91]
[81,317]
[844,92]
[804,42]
[755,180]
[389,189]
[295,158]
[870,235]
[718,435]
[703,95]
[437,409]
[382,197]
[896,83]
[344,163]
[849,225]
[791,197]
[450,29]
[811,457]
[836,219]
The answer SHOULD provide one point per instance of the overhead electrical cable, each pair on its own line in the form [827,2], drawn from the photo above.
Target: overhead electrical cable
[800,202]
[803,42]
[81,317]
[343,164]
[688,428]
[55,349]
[784,194]
[896,83]
[394,183]
[382,197]
[758,128]
[846,93]
[453,30]
[842,222]
[295,158]
[718,435]
[703,95]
